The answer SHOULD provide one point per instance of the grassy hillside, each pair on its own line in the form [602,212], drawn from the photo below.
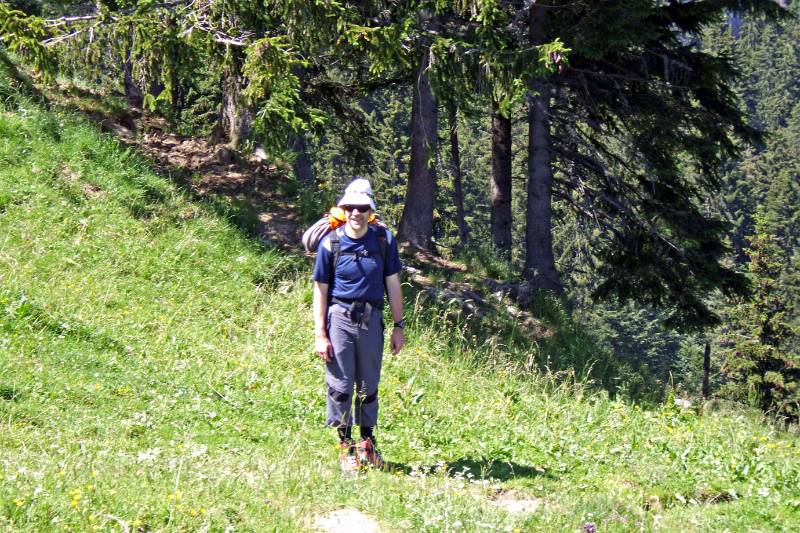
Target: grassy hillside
[156,375]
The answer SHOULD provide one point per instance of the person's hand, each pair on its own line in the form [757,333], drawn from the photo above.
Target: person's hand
[323,348]
[397,341]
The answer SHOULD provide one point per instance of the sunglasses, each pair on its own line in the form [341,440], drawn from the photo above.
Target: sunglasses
[359,208]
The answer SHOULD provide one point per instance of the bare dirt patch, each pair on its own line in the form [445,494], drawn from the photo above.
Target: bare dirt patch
[216,170]
[346,521]
[92,191]
[514,502]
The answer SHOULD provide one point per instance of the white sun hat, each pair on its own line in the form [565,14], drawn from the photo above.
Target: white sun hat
[359,192]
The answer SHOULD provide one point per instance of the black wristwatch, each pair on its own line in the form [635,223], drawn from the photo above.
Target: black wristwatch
[401,324]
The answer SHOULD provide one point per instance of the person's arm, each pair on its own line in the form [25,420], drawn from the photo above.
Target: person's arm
[395,292]
[322,345]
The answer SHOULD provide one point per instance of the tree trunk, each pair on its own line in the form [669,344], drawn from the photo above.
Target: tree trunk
[500,220]
[540,268]
[416,224]
[455,164]
[297,142]
[133,93]
[302,163]
[235,117]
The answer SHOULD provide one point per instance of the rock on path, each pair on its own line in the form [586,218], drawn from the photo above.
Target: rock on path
[518,506]
[514,503]
[347,521]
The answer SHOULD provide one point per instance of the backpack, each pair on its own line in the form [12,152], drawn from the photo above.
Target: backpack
[332,220]
[329,221]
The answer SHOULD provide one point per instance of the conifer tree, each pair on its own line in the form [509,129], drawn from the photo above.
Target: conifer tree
[283,66]
[768,57]
[758,338]
[639,123]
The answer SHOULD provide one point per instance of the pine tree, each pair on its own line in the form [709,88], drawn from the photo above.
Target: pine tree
[639,123]
[757,338]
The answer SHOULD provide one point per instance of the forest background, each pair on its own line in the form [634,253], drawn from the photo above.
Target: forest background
[633,163]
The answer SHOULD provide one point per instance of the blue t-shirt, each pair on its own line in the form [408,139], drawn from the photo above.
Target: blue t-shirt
[358,276]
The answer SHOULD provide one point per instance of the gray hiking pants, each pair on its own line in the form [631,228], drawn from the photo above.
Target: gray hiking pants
[357,357]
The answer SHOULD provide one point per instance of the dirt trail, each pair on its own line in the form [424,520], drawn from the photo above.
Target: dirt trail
[215,169]
[207,168]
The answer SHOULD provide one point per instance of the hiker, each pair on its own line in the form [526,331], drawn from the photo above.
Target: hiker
[348,321]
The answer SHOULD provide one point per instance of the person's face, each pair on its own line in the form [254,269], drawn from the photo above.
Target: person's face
[358,216]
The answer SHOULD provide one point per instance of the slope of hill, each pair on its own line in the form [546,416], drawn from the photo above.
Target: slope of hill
[156,374]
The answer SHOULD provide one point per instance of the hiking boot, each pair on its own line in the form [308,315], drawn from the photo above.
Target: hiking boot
[348,461]
[368,456]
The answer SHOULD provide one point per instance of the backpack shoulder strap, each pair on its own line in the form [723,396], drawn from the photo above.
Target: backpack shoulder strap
[383,239]
[336,251]
[384,242]
[336,248]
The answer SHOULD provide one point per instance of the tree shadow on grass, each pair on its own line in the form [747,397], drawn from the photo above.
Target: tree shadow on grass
[22,83]
[476,469]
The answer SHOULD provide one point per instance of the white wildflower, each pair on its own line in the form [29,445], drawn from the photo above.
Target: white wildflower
[683,403]
[198,450]
[149,455]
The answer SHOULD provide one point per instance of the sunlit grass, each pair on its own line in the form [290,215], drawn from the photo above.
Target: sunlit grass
[156,374]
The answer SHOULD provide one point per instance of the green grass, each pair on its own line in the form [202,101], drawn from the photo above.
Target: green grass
[156,375]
